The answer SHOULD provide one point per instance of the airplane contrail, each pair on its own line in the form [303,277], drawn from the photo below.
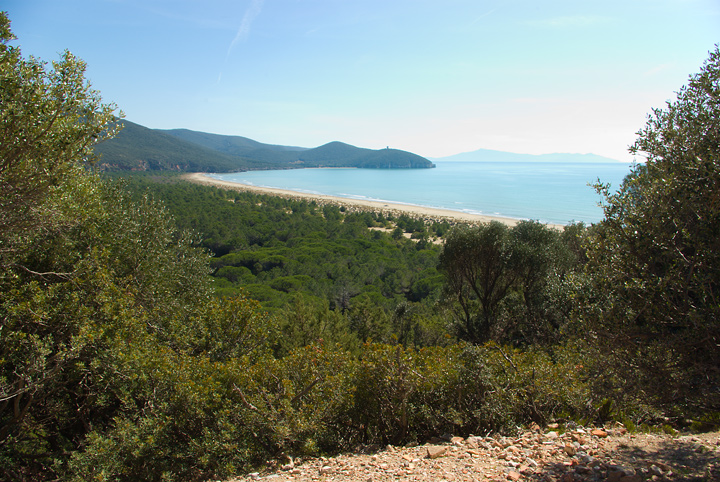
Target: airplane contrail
[244,29]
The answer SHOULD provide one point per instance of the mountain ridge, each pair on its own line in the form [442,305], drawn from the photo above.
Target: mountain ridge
[140,148]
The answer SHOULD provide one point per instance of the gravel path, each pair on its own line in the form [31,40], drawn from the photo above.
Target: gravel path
[581,454]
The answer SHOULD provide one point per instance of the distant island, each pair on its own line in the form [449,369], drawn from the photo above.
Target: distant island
[489,155]
[138,148]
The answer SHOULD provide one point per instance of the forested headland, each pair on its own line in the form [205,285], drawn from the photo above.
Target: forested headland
[153,329]
[138,148]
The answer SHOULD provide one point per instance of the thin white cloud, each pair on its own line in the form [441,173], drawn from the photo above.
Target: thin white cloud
[570,21]
[659,69]
[244,30]
[486,14]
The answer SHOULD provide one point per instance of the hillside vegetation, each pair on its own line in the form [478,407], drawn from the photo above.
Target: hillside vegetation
[131,347]
[137,148]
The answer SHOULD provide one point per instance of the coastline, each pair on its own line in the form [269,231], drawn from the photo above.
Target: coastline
[395,209]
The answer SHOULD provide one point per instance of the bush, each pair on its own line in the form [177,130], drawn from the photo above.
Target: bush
[297,404]
[406,395]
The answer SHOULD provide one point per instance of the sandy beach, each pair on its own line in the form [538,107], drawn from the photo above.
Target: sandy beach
[355,204]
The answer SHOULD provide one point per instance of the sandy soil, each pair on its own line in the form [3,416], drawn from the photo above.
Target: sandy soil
[356,204]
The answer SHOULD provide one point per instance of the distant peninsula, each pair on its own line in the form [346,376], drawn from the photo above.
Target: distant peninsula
[138,148]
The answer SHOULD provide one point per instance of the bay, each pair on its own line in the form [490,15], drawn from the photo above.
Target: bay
[550,192]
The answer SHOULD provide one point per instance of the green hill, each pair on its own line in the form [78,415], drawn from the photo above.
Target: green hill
[235,145]
[137,148]
[338,154]
[142,149]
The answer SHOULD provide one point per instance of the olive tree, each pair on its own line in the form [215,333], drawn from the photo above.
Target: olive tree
[654,261]
[501,280]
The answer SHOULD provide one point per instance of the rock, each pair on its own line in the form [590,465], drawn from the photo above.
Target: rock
[614,477]
[599,433]
[254,475]
[289,466]
[435,451]
[581,469]
[551,435]
[325,470]
[514,476]
[618,473]
[473,442]
[570,450]
[457,440]
[620,470]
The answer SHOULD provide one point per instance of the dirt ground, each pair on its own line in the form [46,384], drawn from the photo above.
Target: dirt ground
[549,454]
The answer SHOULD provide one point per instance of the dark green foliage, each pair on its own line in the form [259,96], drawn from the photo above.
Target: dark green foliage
[307,321]
[404,395]
[654,272]
[503,282]
[109,333]
[110,343]
[273,247]
[296,404]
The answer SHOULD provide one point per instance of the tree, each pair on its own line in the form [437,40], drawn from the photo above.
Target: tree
[502,280]
[477,264]
[49,119]
[542,258]
[654,299]
[108,332]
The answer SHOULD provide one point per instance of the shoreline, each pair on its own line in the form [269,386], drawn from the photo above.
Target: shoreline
[395,209]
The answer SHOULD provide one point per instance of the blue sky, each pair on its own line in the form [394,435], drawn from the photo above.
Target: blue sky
[435,77]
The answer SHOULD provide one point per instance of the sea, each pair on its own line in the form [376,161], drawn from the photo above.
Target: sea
[549,192]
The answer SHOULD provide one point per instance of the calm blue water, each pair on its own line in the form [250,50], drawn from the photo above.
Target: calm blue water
[555,193]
